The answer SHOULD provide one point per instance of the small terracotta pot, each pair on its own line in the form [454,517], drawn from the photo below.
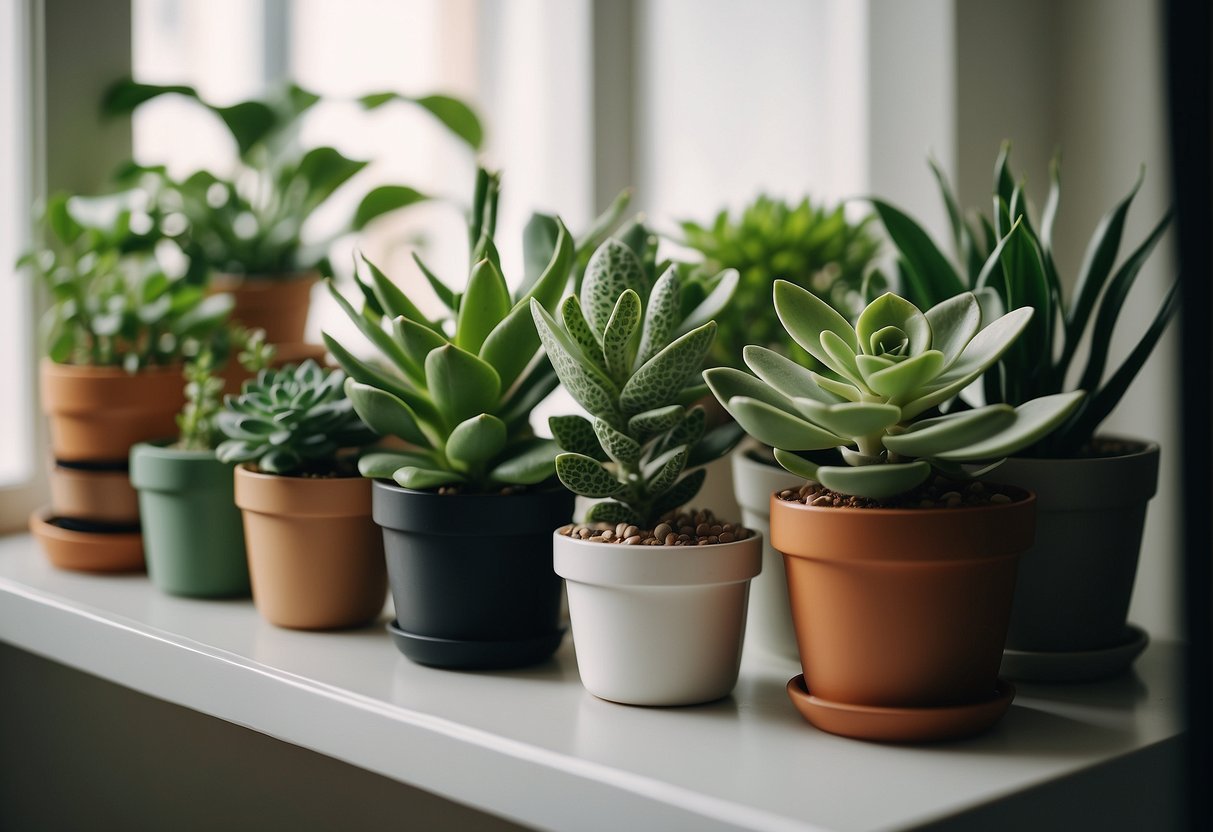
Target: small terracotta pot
[102,496]
[315,556]
[901,608]
[278,304]
[234,375]
[110,551]
[97,413]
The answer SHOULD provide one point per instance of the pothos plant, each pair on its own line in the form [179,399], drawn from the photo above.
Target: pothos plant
[874,400]
[630,353]
[251,219]
[1007,263]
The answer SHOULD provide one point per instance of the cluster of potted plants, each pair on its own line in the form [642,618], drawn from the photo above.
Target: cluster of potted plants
[901,538]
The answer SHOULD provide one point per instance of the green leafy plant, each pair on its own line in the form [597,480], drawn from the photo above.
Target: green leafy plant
[811,245]
[203,389]
[1008,264]
[882,379]
[291,420]
[251,220]
[460,391]
[112,302]
[630,353]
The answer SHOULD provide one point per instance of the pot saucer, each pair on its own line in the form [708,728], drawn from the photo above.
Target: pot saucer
[81,546]
[1076,665]
[870,722]
[455,654]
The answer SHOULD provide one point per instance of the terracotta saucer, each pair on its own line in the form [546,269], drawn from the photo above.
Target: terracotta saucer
[1077,665]
[454,654]
[869,722]
[120,550]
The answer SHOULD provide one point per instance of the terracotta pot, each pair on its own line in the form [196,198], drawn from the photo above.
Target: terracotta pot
[234,375]
[103,496]
[658,625]
[902,608]
[278,304]
[97,413]
[84,551]
[1075,583]
[769,627]
[314,554]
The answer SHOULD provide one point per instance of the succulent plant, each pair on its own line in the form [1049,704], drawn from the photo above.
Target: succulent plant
[1007,263]
[883,377]
[628,353]
[463,400]
[811,245]
[291,420]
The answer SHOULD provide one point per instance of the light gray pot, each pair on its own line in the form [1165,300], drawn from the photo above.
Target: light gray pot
[769,625]
[1075,583]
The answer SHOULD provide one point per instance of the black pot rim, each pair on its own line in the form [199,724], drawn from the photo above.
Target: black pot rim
[428,512]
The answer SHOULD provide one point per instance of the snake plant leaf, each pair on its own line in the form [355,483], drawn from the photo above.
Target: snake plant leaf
[576,434]
[714,303]
[461,384]
[587,384]
[384,464]
[714,444]
[443,292]
[931,437]
[475,441]
[417,341]
[618,445]
[452,113]
[667,371]
[774,427]
[578,327]
[843,361]
[425,479]
[783,374]
[927,265]
[586,476]
[382,341]
[805,316]
[904,378]
[392,300]
[796,464]
[876,482]
[850,418]
[892,313]
[648,424]
[529,464]
[664,470]
[384,413]
[612,512]
[383,200]
[618,345]
[1027,286]
[485,303]
[953,323]
[840,389]
[681,493]
[1033,420]
[613,268]
[660,315]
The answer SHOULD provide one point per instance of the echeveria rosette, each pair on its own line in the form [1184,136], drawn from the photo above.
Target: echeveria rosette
[628,353]
[292,419]
[895,365]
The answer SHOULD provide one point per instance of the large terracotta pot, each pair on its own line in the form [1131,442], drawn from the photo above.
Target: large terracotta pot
[1075,583]
[97,413]
[279,304]
[314,554]
[901,608]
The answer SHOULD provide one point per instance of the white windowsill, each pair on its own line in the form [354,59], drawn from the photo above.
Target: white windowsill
[533,746]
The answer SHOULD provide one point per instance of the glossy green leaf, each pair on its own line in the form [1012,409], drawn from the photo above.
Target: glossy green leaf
[441,290]
[538,245]
[417,341]
[461,384]
[383,200]
[486,302]
[841,389]
[392,299]
[794,464]
[843,361]
[384,413]
[324,170]
[452,113]
[530,464]
[876,482]
[425,479]
[475,442]
[586,477]
[935,275]
[382,341]
[385,464]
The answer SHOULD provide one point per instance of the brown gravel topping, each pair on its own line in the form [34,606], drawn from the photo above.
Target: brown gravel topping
[684,528]
[935,493]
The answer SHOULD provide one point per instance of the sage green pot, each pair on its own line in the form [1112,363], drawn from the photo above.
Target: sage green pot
[193,536]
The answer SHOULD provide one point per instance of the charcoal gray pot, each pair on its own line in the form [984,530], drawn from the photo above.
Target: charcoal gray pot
[1075,583]
[471,575]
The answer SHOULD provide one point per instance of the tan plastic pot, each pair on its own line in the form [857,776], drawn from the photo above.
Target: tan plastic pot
[315,556]
[901,608]
[279,304]
[102,496]
[97,413]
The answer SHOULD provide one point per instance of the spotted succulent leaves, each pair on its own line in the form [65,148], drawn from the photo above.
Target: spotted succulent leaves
[585,476]
[670,369]
[613,268]
[576,434]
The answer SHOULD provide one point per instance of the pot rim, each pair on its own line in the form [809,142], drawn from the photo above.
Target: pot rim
[1149,448]
[1027,497]
[619,565]
[305,497]
[40,526]
[410,511]
[107,371]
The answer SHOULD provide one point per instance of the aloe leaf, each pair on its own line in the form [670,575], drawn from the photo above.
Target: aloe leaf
[486,302]
[936,276]
[475,441]
[1052,203]
[612,269]
[384,464]
[960,231]
[612,513]
[424,479]
[538,246]
[1033,420]
[552,281]
[392,300]
[784,375]
[581,377]
[619,446]
[680,494]
[667,371]
[850,418]
[586,477]
[805,316]
[532,387]
[530,465]
[441,290]
[728,383]
[774,427]
[794,464]
[891,312]
[932,437]
[648,424]
[901,381]
[382,341]
[663,471]
[953,323]
[618,345]
[713,304]
[384,413]
[600,229]
[876,482]
[576,434]
[461,384]
[661,315]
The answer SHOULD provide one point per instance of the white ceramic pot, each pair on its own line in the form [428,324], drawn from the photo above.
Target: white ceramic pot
[770,624]
[658,625]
